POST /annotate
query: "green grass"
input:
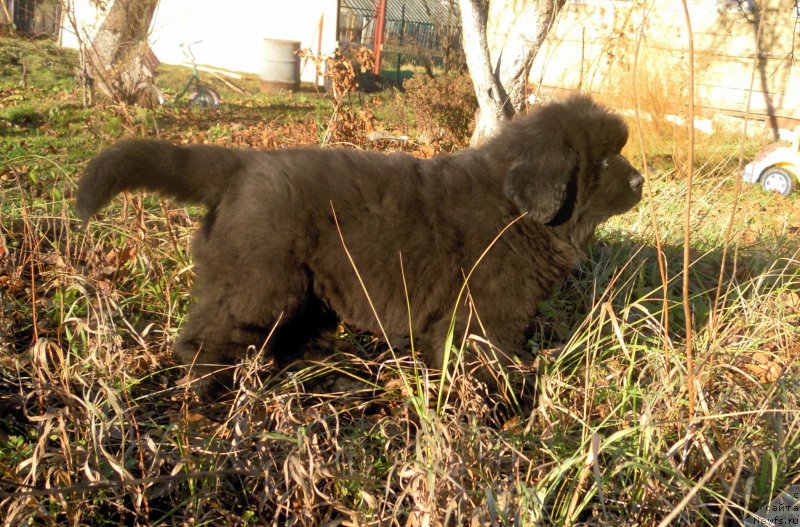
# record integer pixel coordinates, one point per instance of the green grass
(38, 63)
(95, 430)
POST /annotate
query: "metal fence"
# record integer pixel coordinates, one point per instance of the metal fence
(33, 17)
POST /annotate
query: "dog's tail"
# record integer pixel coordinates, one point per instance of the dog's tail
(194, 173)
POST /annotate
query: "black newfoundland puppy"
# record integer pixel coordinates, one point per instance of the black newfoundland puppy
(291, 235)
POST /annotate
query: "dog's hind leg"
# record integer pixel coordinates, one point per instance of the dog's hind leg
(210, 342)
(311, 329)
(221, 326)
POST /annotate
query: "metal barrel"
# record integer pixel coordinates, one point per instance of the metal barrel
(281, 69)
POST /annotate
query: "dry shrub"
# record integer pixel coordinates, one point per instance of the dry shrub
(445, 107)
(352, 125)
(348, 124)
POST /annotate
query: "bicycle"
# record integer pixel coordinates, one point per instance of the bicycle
(199, 94)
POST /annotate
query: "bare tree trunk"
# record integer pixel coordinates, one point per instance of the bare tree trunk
(522, 45)
(117, 53)
(501, 89)
(490, 94)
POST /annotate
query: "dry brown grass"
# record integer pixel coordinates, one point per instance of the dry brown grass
(94, 428)
(97, 430)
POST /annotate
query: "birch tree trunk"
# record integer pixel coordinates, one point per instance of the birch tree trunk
(118, 51)
(500, 88)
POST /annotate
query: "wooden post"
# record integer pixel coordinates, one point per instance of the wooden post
(319, 47)
(377, 40)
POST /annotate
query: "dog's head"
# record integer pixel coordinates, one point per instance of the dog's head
(565, 166)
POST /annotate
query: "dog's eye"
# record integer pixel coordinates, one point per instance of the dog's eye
(604, 164)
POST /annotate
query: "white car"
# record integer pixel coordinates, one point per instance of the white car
(776, 166)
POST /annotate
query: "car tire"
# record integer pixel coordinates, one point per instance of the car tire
(778, 180)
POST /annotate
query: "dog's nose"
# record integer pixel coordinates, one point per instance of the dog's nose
(636, 180)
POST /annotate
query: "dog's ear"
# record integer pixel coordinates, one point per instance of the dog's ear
(538, 184)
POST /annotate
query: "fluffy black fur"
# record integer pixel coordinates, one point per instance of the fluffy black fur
(270, 255)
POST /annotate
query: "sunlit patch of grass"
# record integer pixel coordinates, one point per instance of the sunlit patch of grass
(39, 63)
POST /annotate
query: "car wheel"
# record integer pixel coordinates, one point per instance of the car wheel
(777, 180)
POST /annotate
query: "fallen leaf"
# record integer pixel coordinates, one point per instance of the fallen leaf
(764, 367)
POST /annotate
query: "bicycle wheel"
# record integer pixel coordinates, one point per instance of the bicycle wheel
(203, 97)
(148, 95)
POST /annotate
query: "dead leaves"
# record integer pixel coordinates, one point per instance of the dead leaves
(776, 217)
(764, 366)
(770, 344)
(111, 263)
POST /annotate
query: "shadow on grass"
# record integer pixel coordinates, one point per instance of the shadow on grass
(639, 280)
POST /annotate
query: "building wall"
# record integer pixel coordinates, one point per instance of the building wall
(232, 33)
(594, 42)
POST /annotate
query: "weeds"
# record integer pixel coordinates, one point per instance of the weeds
(444, 107)
(348, 123)
(94, 428)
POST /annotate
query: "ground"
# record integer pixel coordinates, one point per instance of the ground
(94, 428)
